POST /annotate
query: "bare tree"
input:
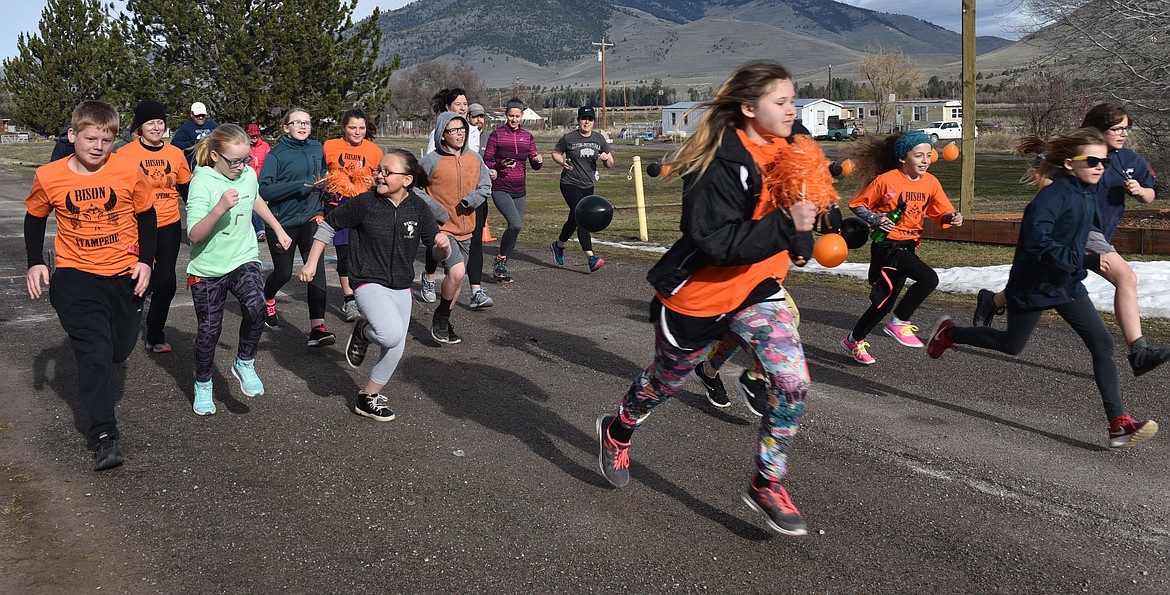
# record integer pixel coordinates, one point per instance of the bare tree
(888, 71)
(1049, 103)
(412, 89)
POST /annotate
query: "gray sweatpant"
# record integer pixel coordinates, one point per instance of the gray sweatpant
(388, 313)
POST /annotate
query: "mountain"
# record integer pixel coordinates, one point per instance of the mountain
(683, 42)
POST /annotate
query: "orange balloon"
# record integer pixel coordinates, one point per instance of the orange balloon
(950, 152)
(665, 169)
(933, 155)
(847, 167)
(830, 250)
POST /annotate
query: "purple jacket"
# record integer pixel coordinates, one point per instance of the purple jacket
(505, 143)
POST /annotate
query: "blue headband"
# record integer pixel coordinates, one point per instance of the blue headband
(908, 141)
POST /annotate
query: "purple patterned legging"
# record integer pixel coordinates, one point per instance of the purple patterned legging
(210, 296)
(766, 330)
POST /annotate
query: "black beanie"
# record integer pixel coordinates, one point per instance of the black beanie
(147, 110)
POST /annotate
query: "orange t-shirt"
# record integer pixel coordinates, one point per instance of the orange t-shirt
(924, 197)
(97, 231)
(715, 290)
(165, 169)
(340, 154)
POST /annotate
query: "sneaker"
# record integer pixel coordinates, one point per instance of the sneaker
(245, 372)
(319, 337)
(355, 348)
(261, 236)
(479, 300)
(1125, 431)
(903, 333)
(501, 271)
(270, 319)
(426, 290)
(443, 332)
(107, 454)
(857, 350)
(613, 457)
(163, 347)
(985, 309)
(777, 507)
(940, 337)
(374, 407)
(203, 405)
(558, 254)
(595, 263)
(349, 310)
(755, 393)
(1147, 358)
(716, 392)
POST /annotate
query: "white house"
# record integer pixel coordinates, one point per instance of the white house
(815, 114)
(680, 120)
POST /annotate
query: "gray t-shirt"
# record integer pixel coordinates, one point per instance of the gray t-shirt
(581, 152)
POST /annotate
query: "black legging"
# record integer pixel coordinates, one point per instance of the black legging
(282, 264)
(162, 281)
(891, 263)
(573, 195)
(474, 254)
(1082, 317)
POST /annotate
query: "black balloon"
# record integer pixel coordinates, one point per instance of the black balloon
(654, 169)
(855, 231)
(829, 221)
(835, 169)
(593, 213)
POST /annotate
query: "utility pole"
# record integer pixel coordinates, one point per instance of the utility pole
(967, 168)
(601, 58)
(829, 87)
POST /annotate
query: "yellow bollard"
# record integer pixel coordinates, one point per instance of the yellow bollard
(641, 199)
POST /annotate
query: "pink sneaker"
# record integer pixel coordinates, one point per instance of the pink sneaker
(903, 332)
(857, 350)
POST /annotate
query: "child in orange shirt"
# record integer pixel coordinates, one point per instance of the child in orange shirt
(905, 186)
(105, 245)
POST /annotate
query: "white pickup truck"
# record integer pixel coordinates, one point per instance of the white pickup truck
(945, 131)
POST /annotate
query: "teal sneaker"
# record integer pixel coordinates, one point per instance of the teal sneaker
(245, 372)
(558, 254)
(203, 404)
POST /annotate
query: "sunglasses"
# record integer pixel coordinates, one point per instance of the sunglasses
(1091, 161)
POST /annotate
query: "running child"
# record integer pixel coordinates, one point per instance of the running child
(225, 258)
(386, 227)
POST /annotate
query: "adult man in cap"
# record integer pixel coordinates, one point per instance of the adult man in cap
(476, 116)
(193, 130)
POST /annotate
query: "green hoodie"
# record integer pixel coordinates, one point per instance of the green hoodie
(232, 242)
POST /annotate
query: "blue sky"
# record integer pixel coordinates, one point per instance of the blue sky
(995, 17)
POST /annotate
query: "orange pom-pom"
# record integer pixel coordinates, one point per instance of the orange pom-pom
(800, 172)
(950, 152)
(348, 181)
(830, 250)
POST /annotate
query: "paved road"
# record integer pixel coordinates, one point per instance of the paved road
(978, 473)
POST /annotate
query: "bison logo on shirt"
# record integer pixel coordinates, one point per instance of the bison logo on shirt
(91, 211)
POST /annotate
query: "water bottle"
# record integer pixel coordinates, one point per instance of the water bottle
(895, 215)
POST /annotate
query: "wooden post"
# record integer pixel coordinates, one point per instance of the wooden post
(640, 197)
(967, 171)
(601, 57)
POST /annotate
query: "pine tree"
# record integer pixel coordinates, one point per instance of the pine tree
(74, 56)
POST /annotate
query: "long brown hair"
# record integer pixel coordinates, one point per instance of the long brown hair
(746, 86)
(872, 158)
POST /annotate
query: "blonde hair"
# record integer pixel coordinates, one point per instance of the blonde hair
(1052, 152)
(223, 135)
(746, 86)
(95, 113)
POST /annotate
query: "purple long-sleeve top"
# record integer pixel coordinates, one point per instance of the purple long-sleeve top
(505, 144)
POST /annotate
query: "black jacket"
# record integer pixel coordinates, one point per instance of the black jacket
(717, 224)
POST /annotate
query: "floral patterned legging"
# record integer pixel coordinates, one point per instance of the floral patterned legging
(766, 330)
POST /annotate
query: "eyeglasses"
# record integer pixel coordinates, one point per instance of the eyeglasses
(236, 162)
(1120, 129)
(300, 123)
(387, 172)
(454, 130)
(1091, 161)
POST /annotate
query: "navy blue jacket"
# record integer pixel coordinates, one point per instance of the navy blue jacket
(1048, 267)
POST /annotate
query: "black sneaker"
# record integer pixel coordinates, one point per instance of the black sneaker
(443, 332)
(613, 457)
(355, 348)
(374, 407)
(777, 507)
(501, 271)
(1147, 358)
(985, 309)
(108, 453)
(319, 337)
(755, 393)
(716, 392)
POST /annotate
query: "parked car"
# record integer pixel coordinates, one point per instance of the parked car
(945, 131)
(841, 129)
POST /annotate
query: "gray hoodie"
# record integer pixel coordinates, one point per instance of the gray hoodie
(459, 181)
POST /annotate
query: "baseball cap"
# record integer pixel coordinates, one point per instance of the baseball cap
(586, 113)
(198, 109)
(253, 129)
(474, 110)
